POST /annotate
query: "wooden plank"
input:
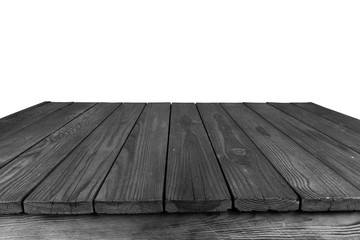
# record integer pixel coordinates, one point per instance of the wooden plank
(229, 225)
(23, 119)
(319, 187)
(22, 175)
(336, 117)
(136, 181)
(3, 120)
(338, 157)
(194, 181)
(342, 134)
(20, 141)
(253, 181)
(72, 186)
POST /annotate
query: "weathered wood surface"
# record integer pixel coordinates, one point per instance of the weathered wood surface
(71, 187)
(319, 187)
(294, 225)
(22, 175)
(338, 157)
(78, 158)
(16, 122)
(14, 145)
(342, 134)
(253, 181)
(194, 181)
(9, 118)
(136, 181)
(339, 118)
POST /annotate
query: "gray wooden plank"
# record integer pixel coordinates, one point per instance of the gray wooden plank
(253, 181)
(342, 134)
(194, 181)
(22, 175)
(136, 180)
(72, 186)
(228, 225)
(26, 118)
(319, 187)
(9, 117)
(337, 117)
(13, 145)
(335, 155)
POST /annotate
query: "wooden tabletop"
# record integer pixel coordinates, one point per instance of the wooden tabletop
(131, 158)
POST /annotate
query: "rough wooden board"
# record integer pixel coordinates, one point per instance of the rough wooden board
(342, 134)
(338, 157)
(71, 187)
(22, 140)
(319, 187)
(194, 181)
(339, 118)
(254, 183)
(18, 121)
(21, 176)
(136, 181)
(293, 225)
(9, 118)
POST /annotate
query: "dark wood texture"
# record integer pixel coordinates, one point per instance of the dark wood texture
(194, 181)
(71, 187)
(20, 141)
(342, 134)
(340, 158)
(320, 188)
(295, 225)
(16, 122)
(253, 181)
(339, 118)
(136, 181)
(81, 158)
(7, 118)
(22, 175)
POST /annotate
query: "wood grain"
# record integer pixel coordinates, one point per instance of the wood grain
(18, 121)
(338, 157)
(319, 187)
(22, 140)
(336, 117)
(253, 181)
(342, 134)
(293, 225)
(194, 181)
(136, 181)
(71, 187)
(22, 175)
(9, 117)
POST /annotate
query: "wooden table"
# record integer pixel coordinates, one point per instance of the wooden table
(220, 161)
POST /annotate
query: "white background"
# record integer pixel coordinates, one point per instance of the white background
(176, 51)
